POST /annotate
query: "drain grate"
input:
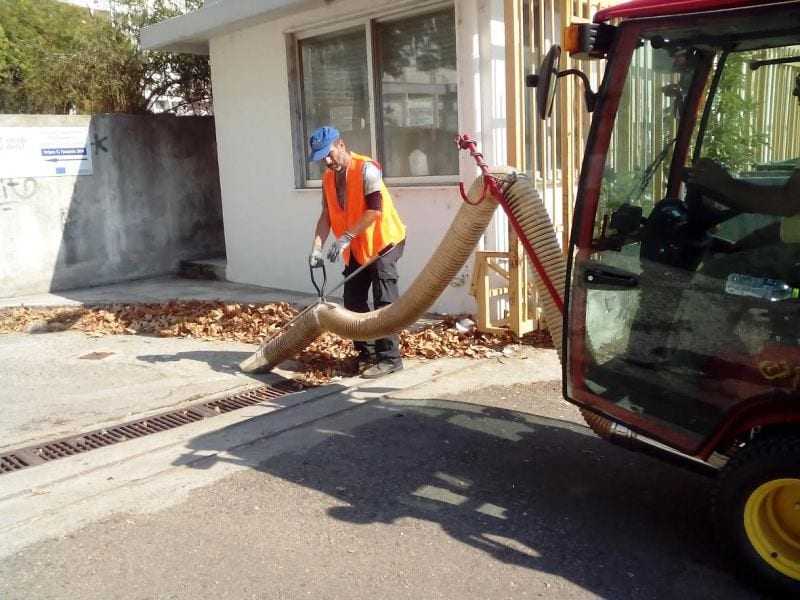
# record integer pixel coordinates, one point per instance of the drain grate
(11, 462)
(14, 461)
(119, 433)
(247, 398)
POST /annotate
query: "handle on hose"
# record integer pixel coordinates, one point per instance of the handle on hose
(320, 290)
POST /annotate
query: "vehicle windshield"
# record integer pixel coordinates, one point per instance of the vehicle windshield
(692, 275)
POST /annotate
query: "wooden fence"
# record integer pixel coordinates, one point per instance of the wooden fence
(550, 152)
(776, 110)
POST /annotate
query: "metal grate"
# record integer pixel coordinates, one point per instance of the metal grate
(120, 433)
(247, 398)
(11, 462)
(100, 438)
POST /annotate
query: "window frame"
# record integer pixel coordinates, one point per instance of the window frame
(295, 71)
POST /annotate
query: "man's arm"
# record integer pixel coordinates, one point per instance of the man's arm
(367, 219)
(782, 201)
(323, 227)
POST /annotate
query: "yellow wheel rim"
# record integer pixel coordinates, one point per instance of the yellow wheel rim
(772, 523)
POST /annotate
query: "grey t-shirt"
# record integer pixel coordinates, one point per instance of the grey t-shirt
(372, 182)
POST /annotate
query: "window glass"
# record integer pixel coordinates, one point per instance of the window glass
(419, 99)
(415, 105)
(640, 153)
(753, 133)
(335, 90)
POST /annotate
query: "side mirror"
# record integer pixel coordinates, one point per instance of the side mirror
(545, 81)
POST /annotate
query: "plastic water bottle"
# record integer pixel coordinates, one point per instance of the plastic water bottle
(760, 287)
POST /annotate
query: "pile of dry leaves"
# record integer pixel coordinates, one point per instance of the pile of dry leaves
(329, 356)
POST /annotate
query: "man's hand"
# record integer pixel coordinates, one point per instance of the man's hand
(710, 175)
(315, 258)
(339, 245)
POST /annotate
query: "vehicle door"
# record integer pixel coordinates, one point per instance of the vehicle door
(664, 336)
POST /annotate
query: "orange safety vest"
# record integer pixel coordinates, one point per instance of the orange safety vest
(387, 228)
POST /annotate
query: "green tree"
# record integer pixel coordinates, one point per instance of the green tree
(730, 137)
(183, 76)
(57, 58)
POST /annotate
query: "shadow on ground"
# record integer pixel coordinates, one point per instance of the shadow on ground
(538, 493)
(227, 362)
(220, 361)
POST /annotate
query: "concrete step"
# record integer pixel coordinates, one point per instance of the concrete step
(204, 268)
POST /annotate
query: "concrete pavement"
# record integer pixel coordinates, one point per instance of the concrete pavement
(451, 479)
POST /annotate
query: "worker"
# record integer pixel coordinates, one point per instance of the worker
(358, 208)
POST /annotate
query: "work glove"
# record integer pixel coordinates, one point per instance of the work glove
(315, 258)
(339, 245)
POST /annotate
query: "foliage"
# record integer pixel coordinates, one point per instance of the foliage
(54, 57)
(427, 42)
(730, 138)
(623, 187)
(57, 58)
(185, 76)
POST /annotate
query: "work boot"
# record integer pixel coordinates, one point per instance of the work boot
(383, 367)
(364, 362)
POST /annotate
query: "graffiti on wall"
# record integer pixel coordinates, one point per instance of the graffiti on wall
(15, 189)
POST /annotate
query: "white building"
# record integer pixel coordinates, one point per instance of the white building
(399, 78)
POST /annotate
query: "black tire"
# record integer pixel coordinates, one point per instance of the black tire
(757, 466)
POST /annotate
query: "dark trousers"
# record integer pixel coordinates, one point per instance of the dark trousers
(381, 276)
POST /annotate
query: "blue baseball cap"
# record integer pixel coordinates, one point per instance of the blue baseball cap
(320, 142)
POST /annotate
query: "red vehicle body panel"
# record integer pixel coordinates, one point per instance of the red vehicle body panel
(660, 8)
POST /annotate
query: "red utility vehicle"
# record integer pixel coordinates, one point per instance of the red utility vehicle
(682, 313)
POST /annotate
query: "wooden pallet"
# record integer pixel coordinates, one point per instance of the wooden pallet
(509, 268)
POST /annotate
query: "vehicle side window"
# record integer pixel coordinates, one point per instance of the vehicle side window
(750, 162)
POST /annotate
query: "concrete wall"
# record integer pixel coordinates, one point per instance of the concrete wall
(153, 199)
(269, 223)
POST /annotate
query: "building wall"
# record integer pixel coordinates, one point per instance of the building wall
(268, 222)
(153, 199)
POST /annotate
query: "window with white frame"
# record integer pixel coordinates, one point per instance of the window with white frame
(390, 87)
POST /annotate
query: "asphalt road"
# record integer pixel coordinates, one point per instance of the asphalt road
(495, 493)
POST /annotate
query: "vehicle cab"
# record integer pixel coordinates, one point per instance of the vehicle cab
(683, 310)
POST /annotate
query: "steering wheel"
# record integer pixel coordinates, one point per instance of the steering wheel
(679, 232)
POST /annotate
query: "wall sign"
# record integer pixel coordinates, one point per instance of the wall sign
(44, 151)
